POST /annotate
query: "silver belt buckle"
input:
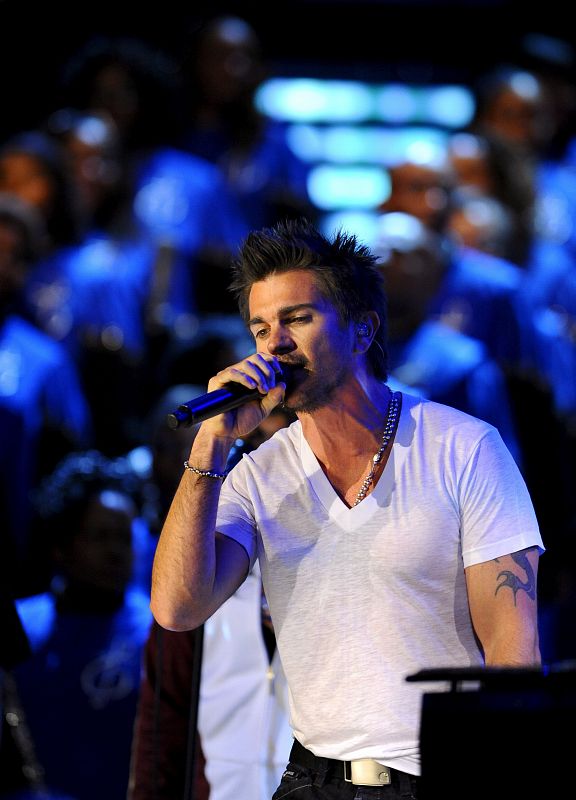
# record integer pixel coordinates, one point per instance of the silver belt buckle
(366, 772)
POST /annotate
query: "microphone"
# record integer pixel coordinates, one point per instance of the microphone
(219, 401)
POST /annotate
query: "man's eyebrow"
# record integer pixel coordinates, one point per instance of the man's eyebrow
(282, 312)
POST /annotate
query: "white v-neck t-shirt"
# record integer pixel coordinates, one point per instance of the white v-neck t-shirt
(362, 597)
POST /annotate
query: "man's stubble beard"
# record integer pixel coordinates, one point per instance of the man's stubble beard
(317, 394)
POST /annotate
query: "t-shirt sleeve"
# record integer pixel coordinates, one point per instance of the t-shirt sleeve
(497, 514)
(235, 517)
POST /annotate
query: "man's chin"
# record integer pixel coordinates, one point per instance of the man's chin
(308, 398)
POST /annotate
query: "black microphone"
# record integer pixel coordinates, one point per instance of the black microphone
(219, 401)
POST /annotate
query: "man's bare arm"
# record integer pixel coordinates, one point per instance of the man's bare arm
(195, 570)
(503, 605)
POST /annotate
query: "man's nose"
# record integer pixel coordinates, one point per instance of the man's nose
(280, 341)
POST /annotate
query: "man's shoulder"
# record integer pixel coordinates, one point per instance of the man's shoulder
(277, 446)
(440, 417)
(281, 440)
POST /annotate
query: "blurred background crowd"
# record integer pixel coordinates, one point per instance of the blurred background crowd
(136, 152)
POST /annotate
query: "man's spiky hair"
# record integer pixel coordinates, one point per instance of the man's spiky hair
(345, 269)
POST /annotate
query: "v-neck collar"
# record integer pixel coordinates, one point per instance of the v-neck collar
(332, 502)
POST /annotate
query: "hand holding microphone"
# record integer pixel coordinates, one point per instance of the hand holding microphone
(230, 396)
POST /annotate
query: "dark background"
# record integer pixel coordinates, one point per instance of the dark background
(415, 41)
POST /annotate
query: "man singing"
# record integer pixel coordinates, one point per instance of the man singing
(393, 533)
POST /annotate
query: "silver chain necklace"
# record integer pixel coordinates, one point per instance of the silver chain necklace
(389, 428)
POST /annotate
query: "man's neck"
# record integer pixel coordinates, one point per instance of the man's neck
(345, 439)
(351, 424)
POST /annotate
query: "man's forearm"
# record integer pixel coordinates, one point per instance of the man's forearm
(185, 588)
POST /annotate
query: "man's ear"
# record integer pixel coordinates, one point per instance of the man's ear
(365, 330)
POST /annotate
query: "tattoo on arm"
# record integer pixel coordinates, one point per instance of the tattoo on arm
(512, 581)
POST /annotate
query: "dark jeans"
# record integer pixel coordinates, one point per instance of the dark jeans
(323, 783)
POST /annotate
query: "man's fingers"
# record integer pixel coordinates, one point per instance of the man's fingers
(252, 372)
(273, 398)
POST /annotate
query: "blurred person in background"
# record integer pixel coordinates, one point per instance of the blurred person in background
(127, 292)
(46, 412)
(130, 80)
(488, 166)
(517, 106)
(33, 167)
(79, 687)
(524, 104)
(481, 222)
(426, 353)
(478, 291)
(223, 69)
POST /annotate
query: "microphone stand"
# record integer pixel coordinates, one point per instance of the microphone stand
(192, 745)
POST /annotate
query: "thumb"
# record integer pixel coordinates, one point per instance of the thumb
(273, 397)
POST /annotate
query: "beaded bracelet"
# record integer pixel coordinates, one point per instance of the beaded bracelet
(204, 473)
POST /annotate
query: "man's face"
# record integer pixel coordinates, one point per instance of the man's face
(290, 319)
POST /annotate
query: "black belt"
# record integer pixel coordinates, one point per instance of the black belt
(360, 772)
